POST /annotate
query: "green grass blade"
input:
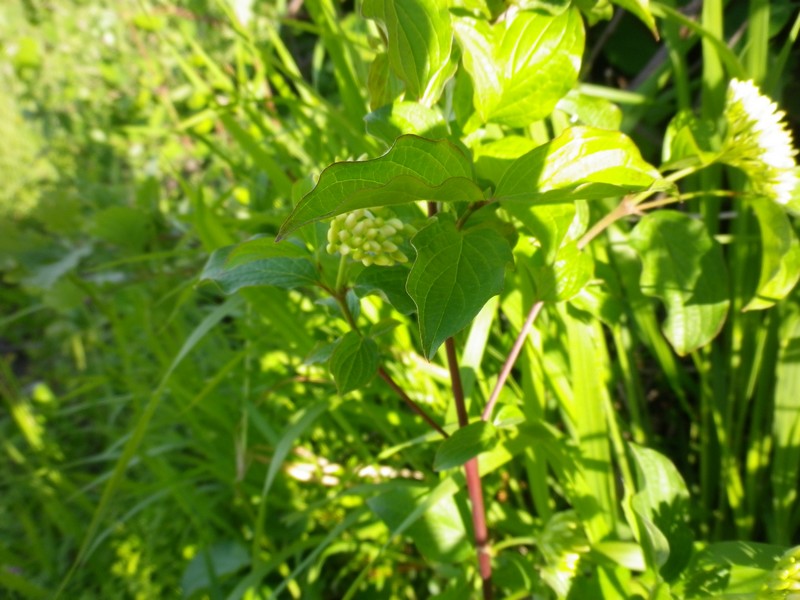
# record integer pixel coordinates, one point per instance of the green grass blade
(139, 429)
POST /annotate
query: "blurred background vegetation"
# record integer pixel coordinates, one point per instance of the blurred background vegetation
(137, 137)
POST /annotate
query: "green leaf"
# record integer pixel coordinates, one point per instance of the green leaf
(493, 158)
(780, 256)
(454, 275)
(438, 532)
(683, 265)
(465, 444)
(413, 169)
(583, 162)
(563, 278)
(590, 110)
(661, 507)
(393, 120)
(125, 226)
(641, 10)
(689, 140)
(420, 39)
(354, 362)
(383, 86)
(259, 261)
(548, 223)
(522, 66)
(212, 564)
(390, 281)
(729, 568)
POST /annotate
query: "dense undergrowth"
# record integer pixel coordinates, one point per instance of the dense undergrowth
(171, 430)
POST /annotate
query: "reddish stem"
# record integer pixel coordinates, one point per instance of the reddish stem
(474, 487)
(511, 359)
(409, 402)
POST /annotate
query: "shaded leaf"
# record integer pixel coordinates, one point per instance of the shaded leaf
(729, 568)
(661, 506)
(259, 261)
(413, 169)
(780, 256)
(684, 267)
(465, 444)
(583, 162)
(438, 532)
(391, 282)
(564, 277)
(211, 564)
(454, 275)
(354, 362)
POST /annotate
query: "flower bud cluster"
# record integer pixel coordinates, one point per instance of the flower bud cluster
(784, 581)
(369, 238)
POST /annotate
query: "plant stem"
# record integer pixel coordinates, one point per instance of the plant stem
(474, 487)
(625, 208)
(341, 273)
(628, 206)
(511, 359)
(409, 402)
(455, 378)
(340, 299)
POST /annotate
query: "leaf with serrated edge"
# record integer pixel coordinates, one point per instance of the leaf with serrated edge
(354, 362)
(413, 169)
(465, 444)
(455, 273)
(582, 163)
(683, 265)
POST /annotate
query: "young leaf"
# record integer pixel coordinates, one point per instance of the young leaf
(522, 66)
(661, 507)
(465, 444)
(413, 169)
(454, 275)
(438, 530)
(420, 39)
(683, 265)
(780, 256)
(354, 362)
(583, 162)
(259, 261)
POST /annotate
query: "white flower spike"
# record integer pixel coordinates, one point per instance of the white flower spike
(759, 142)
